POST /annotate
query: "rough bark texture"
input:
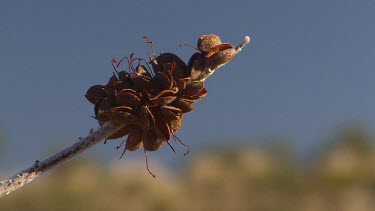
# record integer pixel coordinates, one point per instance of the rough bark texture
(27, 175)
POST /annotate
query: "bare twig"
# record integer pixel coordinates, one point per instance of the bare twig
(27, 175)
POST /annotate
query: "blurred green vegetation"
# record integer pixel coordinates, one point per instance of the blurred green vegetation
(341, 177)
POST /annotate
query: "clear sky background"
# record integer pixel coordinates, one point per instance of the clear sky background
(308, 70)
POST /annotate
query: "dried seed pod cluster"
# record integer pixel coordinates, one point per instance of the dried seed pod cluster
(213, 54)
(149, 104)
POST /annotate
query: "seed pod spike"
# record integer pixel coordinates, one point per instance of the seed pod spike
(153, 175)
(147, 40)
(119, 146)
(169, 143)
(123, 153)
(179, 140)
(187, 45)
(113, 62)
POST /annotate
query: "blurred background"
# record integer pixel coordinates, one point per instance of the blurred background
(288, 124)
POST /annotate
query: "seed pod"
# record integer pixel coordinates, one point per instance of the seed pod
(180, 69)
(199, 95)
(193, 88)
(143, 83)
(127, 97)
(134, 140)
(185, 105)
(152, 139)
(163, 80)
(207, 42)
(149, 106)
(95, 93)
(146, 118)
(121, 133)
(197, 66)
(220, 55)
(101, 107)
(175, 125)
(213, 55)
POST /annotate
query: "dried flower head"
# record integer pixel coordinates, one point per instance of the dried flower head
(149, 103)
(213, 54)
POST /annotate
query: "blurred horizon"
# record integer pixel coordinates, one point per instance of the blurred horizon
(341, 177)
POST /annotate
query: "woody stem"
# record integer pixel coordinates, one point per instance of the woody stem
(27, 175)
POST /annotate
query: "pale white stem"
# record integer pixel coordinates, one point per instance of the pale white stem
(27, 175)
(246, 40)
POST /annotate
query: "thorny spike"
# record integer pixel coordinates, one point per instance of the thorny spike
(113, 62)
(123, 153)
(129, 60)
(147, 40)
(130, 63)
(176, 138)
(119, 146)
(149, 57)
(114, 75)
(153, 175)
(169, 143)
(187, 45)
(118, 64)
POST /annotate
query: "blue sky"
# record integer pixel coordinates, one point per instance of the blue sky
(309, 69)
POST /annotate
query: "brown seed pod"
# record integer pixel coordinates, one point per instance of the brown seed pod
(207, 42)
(101, 107)
(193, 88)
(134, 140)
(160, 62)
(121, 133)
(199, 95)
(149, 105)
(220, 55)
(122, 115)
(163, 80)
(213, 55)
(197, 66)
(95, 93)
(185, 105)
(152, 139)
(172, 120)
(127, 97)
(142, 83)
(146, 118)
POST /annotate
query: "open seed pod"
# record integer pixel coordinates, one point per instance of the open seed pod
(213, 54)
(149, 104)
(207, 41)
